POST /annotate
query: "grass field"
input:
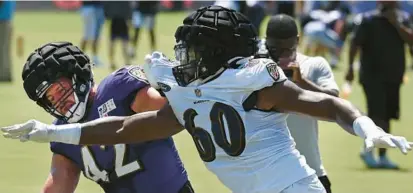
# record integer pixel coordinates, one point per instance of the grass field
(24, 167)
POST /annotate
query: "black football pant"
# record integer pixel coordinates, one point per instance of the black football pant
(326, 183)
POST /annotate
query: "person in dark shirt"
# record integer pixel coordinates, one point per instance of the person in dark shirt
(93, 20)
(286, 7)
(119, 12)
(381, 36)
(144, 14)
(255, 11)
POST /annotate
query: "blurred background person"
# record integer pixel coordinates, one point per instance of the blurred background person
(407, 6)
(285, 7)
(381, 36)
(255, 11)
(93, 20)
(325, 28)
(7, 9)
(310, 73)
(119, 12)
(358, 7)
(144, 15)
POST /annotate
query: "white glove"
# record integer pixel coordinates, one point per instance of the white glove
(385, 140)
(375, 137)
(37, 131)
(32, 130)
(147, 69)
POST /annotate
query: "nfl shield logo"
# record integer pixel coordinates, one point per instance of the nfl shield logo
(198, 92)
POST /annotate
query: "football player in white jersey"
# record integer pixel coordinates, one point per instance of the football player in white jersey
(311, 73)
(230, 104)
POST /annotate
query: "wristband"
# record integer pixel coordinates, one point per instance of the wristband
(365, 127)
(69, 133)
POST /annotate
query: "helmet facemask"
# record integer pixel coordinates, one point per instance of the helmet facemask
(190, 66)
(59, 109)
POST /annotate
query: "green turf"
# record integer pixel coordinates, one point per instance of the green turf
(24, 167)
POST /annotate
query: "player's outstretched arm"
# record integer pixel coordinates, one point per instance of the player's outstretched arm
(288, 97)
(140, 127)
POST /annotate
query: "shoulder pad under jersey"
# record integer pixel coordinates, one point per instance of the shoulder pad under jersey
(254, 74)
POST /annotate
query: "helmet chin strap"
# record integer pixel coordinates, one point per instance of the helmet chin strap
(78, 110)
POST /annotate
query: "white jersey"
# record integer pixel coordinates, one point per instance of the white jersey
(304, 129)
(321, 20)
(250, 151)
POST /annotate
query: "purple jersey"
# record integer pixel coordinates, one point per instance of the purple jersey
(152, 167)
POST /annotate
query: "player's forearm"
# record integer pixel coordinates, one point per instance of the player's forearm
(99, 131)
(308, 85)
(352, 54)
(316, 104)
(102, 131)
(344, 113)
(138, 128)
(61, 183)
(338, 28)
(335, 109)
(58, 188)
(405, 33)
(352, 120)
(150, 126)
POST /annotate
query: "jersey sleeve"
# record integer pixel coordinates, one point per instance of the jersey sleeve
(135, 78)
(123, 82)
(323, 75)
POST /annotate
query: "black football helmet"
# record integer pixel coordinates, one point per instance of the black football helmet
(49, 63)
(208, 38)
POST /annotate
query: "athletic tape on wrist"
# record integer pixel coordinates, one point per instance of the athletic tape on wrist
(69, 133)
(363, 126)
